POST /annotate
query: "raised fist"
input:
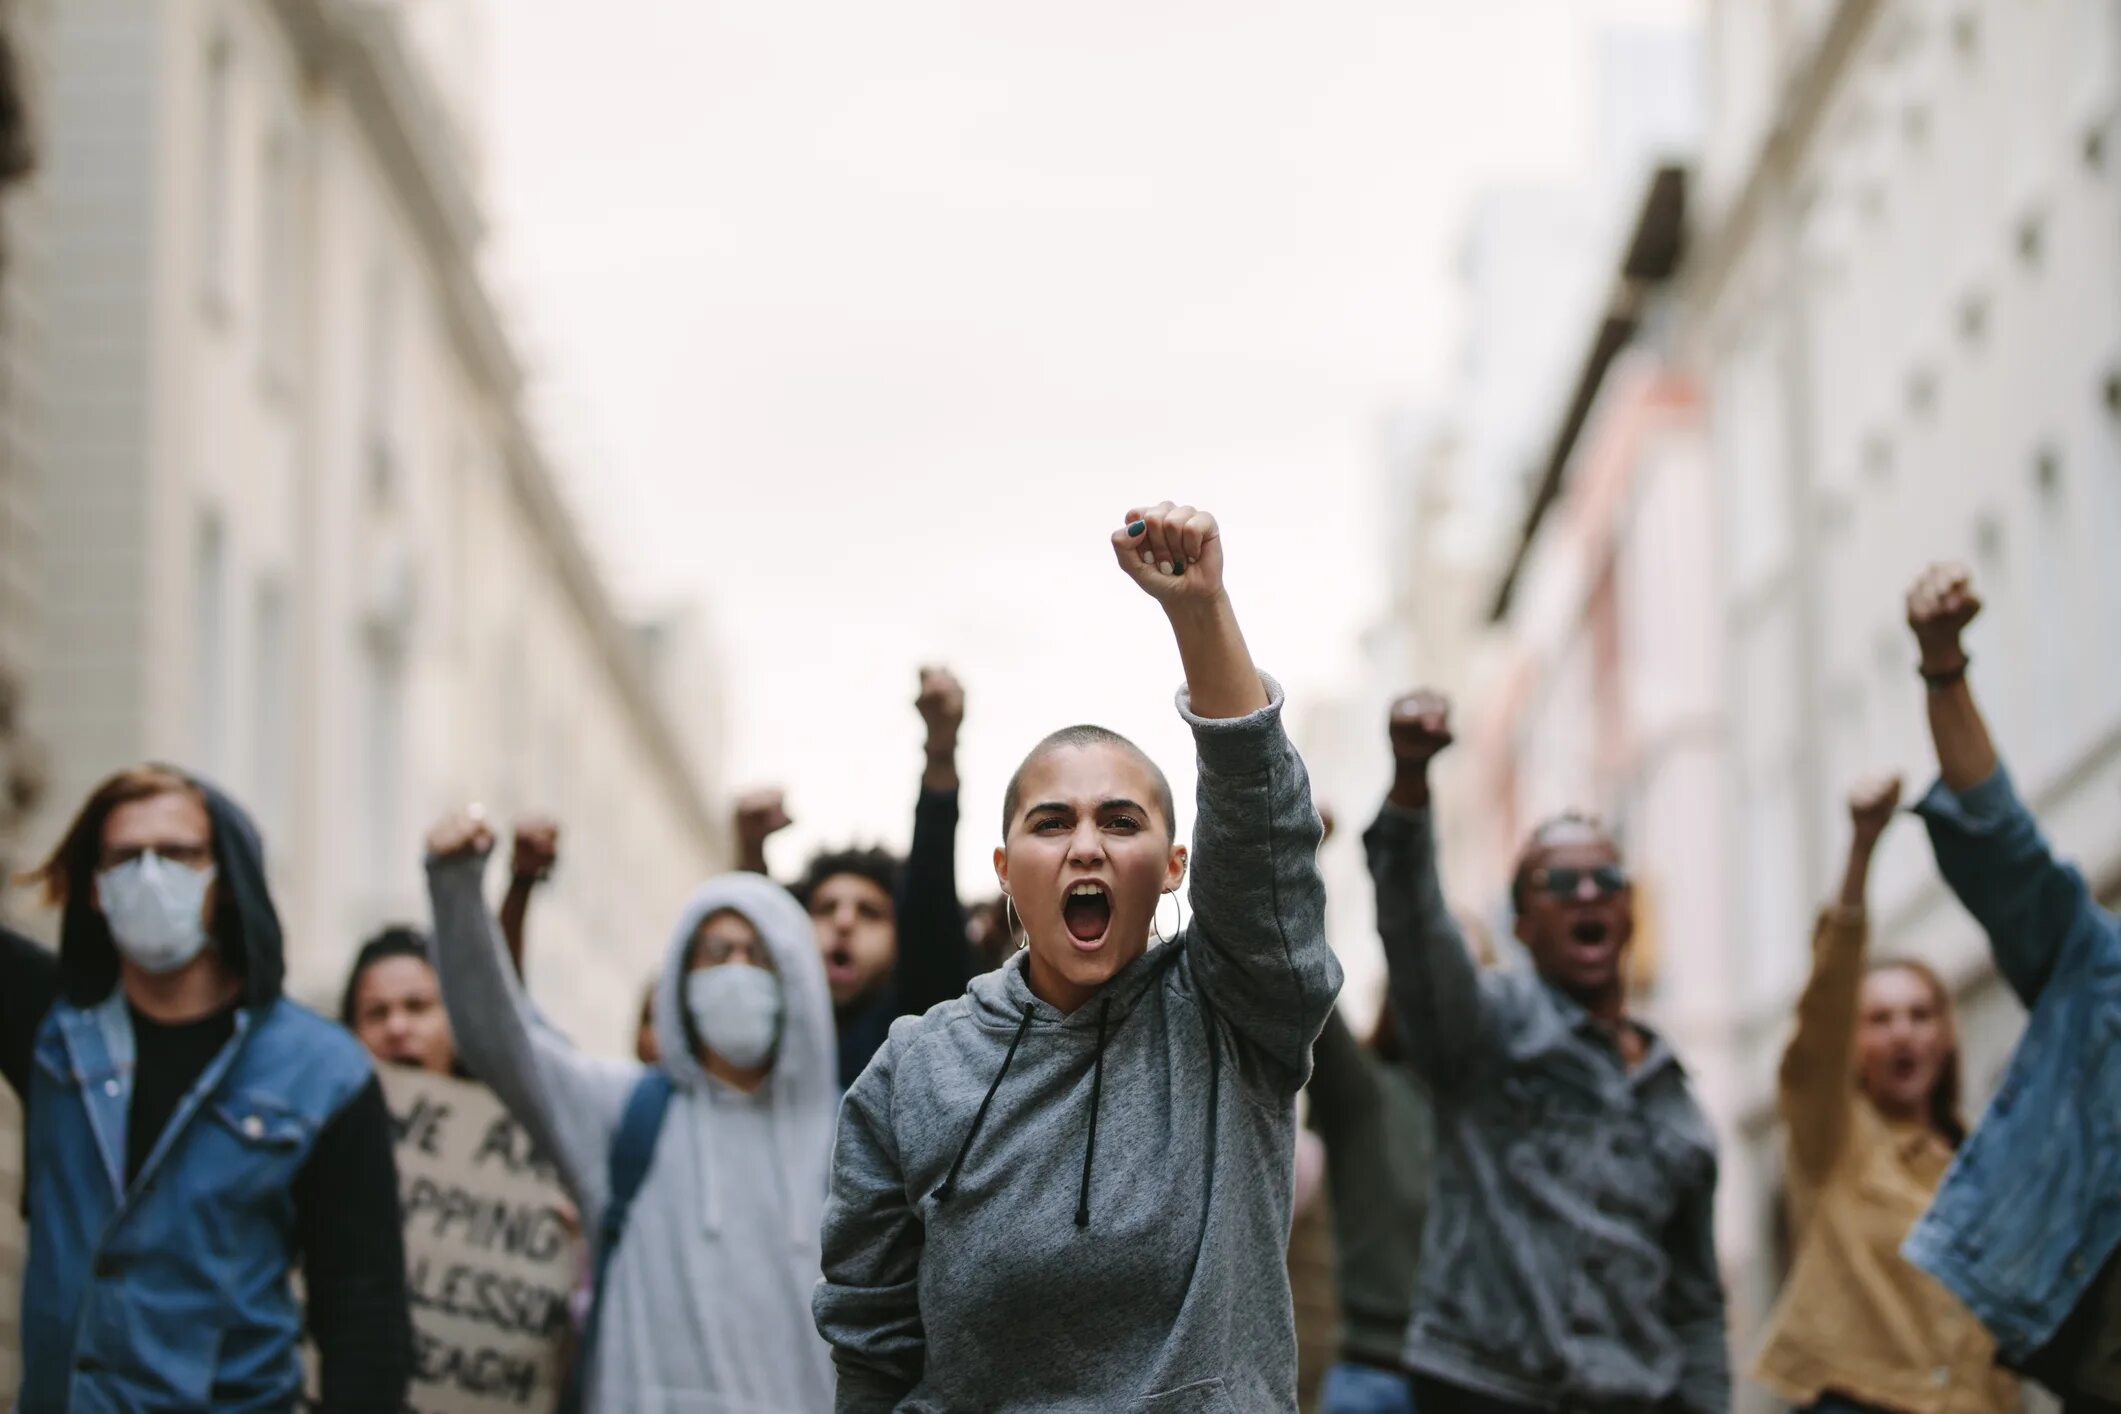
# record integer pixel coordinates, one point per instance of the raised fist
(1420, 727)
(941, 704)
(536, 849)
(1939, 608)
(761, 813)
(1174, 553)
(1871, 805)
(459, 835)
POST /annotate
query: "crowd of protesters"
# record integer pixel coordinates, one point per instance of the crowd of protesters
(1077, 1147)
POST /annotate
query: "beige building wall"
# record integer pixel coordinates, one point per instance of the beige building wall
(295, 533)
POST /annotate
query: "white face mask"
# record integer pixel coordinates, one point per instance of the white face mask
(155, 910)
(736, 1008)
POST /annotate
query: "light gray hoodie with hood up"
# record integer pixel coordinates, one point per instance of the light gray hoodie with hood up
(1090, 1213)
(706, 1307)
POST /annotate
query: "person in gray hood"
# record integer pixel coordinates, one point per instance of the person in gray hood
(702, 1307)
(1070, 1189)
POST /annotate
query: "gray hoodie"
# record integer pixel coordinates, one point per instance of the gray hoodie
(704, 1308)
(1090, 1212)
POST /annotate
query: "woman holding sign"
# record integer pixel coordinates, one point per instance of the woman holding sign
(703, 1177)
(1071, 1188)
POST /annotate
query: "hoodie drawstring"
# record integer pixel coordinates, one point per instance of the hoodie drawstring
(1097, 1090)
(942, 1194)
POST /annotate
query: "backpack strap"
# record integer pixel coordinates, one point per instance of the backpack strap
(632, 1149)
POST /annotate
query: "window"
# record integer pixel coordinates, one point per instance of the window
(210, 644)
(379, 384)
(382, 757)
(215, 186)
(277, 236)
(271, 737)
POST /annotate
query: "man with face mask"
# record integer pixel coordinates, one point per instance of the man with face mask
(190, 1131)
(702, 1176)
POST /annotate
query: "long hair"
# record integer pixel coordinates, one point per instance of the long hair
(75, 858)
(1944, 1114)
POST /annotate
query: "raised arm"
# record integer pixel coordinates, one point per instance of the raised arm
(759, 816)
(29, 984)
(2034, 907)
(535, 854)
(868, 1307)
(1815, 1081)
(569, 1103)
(1429, 970)
(934, 957)
(1257, 947)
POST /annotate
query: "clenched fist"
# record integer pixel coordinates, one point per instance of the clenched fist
(460, 835)
(760, 814)
(537, 849)
(1872, 803)
(1939, 608)
(941, 704)
(1420, 727)
(1174, 553)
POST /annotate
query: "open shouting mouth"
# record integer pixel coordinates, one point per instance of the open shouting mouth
(1087, 911)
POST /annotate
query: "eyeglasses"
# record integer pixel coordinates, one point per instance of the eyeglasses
(196, 857)
(1565, 882)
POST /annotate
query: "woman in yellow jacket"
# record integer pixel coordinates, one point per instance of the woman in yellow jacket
(1869, 1095)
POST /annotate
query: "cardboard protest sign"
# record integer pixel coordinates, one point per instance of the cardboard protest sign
(490, 1251)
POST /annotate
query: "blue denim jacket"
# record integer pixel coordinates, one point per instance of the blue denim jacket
(2031, 1207)
(172, 1294)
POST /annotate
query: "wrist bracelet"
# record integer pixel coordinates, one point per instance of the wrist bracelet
(1947, 677)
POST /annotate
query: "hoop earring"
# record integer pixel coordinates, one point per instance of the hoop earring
(1156, 922)
(1008, 905)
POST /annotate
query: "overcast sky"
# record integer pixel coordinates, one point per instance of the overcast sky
(866, 322)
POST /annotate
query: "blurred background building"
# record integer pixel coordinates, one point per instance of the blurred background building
(269, 506)
(1865, 315)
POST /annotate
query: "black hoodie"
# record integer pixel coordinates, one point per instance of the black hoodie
(348, 1230)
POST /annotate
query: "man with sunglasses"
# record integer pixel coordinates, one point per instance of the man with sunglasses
(1569, 1263)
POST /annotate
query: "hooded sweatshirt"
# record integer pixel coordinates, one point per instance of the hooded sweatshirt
(1090, 1211)
(314, 1177)
(704, 1308)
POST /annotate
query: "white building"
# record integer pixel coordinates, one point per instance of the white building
(1906, 305)
(291, 527)
(24, 243)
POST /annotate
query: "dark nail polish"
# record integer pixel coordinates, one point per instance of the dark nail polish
(1138, 527)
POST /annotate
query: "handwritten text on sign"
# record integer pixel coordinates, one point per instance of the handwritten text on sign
(490, 1256)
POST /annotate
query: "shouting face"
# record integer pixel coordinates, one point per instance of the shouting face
(1576, 908)
(856, 934)
(398, 1015)
(1087, 855)
(1903, 1041)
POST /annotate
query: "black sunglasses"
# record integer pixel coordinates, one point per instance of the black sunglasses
(1564, 882)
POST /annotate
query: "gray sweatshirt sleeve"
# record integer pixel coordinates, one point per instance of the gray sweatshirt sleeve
(1429, 970)
(570, 1103)
(867, 1306)
(1257, 948)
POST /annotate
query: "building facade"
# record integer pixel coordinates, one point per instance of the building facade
(1905, 304)
(290, 526)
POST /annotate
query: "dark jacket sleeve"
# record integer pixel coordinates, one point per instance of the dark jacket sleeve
(29, 984)
(1432, 978)
(353, 1259)
(934, 958)
(1343, 1088)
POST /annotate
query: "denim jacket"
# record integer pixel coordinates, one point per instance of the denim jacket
(1570, 1256)
(2031, 1208)
(172, 1293)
